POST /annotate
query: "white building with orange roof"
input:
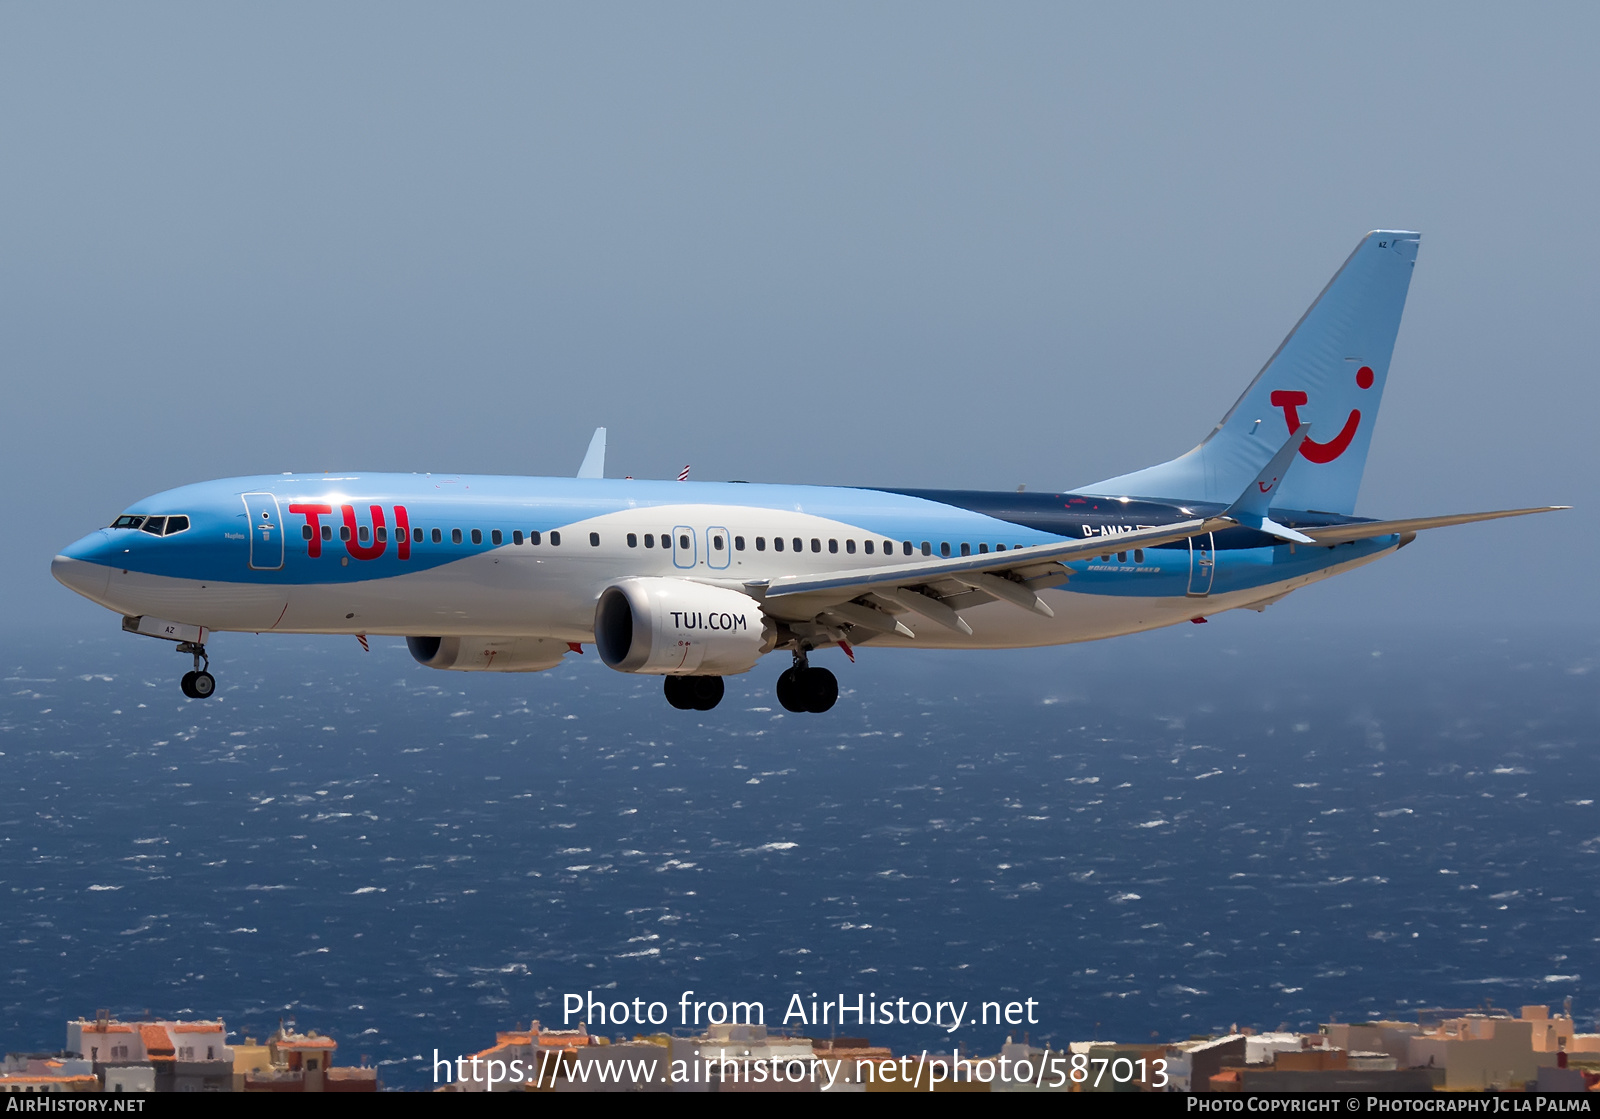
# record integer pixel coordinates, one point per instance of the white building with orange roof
(180, 1056)
(47, 1072)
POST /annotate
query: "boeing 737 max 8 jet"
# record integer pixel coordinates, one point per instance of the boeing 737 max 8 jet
(694, 581)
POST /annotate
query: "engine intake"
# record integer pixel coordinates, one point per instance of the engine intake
(674, 627)
(487, 654)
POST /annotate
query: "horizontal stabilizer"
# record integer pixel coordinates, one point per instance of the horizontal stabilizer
(1341, 534)
(1251, 507)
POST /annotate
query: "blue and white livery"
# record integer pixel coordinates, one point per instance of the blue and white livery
(694, 581)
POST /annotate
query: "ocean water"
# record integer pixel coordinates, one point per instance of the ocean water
(1157, 836)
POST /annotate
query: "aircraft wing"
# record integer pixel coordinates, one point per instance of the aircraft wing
(1341, 534)
(872, 598)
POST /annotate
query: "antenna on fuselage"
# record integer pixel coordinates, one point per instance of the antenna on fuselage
(594, 462)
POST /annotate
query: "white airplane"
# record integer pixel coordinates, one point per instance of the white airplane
(694, 581)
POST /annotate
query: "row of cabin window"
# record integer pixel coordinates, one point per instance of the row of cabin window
(796, 543)
(1122, 557)
(437, 535)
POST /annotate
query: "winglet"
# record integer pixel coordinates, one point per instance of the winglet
(1251, 507)
(594, 463)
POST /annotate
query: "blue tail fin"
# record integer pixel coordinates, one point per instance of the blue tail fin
(1329, 371)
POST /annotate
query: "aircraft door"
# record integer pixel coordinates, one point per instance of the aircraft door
(684, 551)
(718, 547)
(266, 531)
(1202, 565)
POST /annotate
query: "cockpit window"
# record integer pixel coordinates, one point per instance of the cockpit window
(155, 526)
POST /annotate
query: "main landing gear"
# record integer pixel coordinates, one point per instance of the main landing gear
(804, 688)
(693, 693)
(800, 688)
(199, 684)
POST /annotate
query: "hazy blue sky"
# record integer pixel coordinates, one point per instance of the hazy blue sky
(972, 245)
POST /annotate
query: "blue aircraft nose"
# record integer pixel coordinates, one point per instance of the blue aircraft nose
(84, 565)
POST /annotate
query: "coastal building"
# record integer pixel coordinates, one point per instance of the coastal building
(1124, 1067)
(726, 1057)
(169, 1056)
(1191, 1064)
(1481, 1051)
(47, 1072)
(1556, 1033)
(1392, 1038)
(303, 1062)
(540, 1060)
(1318, 1067)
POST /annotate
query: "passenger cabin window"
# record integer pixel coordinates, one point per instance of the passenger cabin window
(477, 536)
(633, 539)
(683, 541)
(649, 540)
(716, 543)
(816, 545)
(437, 536)
(866, 546)
(533, 538)
(1138, 555)
(555, 540)
(416, 534)
(305, 532)
(155, 525)
(907, 547)
(1122, 557)
(383, 534)
(944, 548)
(777, 543)
(738, 543)
(850, 547)
(455, 536)
(927, 548)
(966, 549)
(362, 532)
(761, 543)
(798, 546)
(495, 537)
(516, 536)
(344, 532)
(982, 548)
(594, 540)
(833, 546)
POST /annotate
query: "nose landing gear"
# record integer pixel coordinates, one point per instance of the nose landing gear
(198, 684)
(804, 688)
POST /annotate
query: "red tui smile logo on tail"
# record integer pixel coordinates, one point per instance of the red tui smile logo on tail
(1291, 399)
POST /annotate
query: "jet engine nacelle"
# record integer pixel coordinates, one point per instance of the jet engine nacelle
(487, 654)
(674, 627)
